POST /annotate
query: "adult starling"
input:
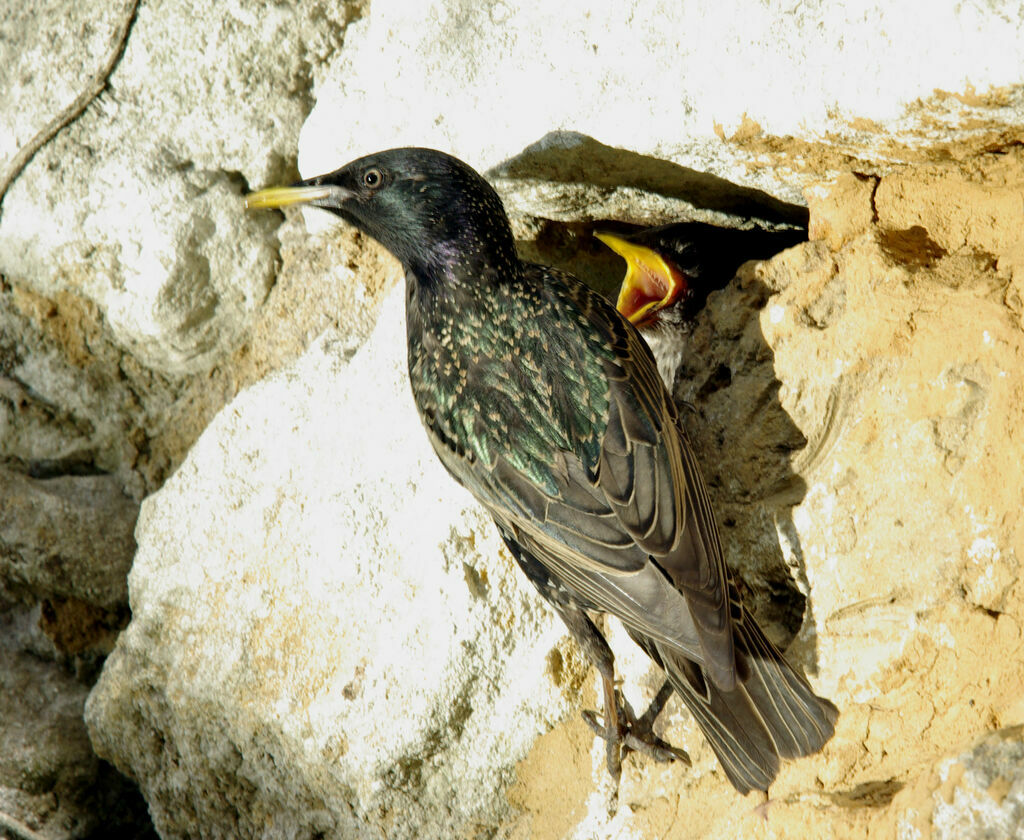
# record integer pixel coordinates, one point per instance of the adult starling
(671, 270)
(546, 404)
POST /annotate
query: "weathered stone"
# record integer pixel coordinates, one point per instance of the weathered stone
(50, 780)
(137, 204)
(843, 208)
(343, 645)
(703, 86)
(67, 536)
(978, 793)
(53, 53)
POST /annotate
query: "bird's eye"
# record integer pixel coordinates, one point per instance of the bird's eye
(372, 178)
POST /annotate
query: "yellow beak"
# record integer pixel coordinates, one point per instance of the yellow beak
(651, 283)
(286, 196)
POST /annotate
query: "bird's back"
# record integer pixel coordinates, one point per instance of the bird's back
(514, 370)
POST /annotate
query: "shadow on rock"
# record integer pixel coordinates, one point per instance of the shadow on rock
(729, 396)
(567, 157)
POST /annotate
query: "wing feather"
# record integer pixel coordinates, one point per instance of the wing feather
(628, 524)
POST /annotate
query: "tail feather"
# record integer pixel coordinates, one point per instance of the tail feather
(772, 713)
(800, 722)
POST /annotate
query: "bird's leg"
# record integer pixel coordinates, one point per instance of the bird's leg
(642, 738)
(632, 733)
(622, 730)
(614, 729)
(646, 722)
(596, 649)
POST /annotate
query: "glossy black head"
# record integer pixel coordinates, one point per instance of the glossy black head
(432, 211)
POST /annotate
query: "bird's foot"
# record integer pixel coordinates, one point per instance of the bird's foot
(623, 732)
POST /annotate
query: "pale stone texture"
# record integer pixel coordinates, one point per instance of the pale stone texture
(978, 793)
(48, 49)
(126, 264)
(137, 204)
(487, 80)
(326, 634)
(870, 501)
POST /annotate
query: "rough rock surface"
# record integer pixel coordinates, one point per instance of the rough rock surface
(318, 676)
(51, 781)
(135, 204)
(857, 399)
(978, 793)
(82, 542)
(53, 54)
(123, 155)
(83, 429)
(666, 82)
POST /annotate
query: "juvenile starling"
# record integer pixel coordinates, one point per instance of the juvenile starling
(546, 404)
(671, 270)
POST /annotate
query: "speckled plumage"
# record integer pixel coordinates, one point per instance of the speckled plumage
(547, 405)
(490, 380)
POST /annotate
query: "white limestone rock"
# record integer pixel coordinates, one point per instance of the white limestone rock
(48, 50)
(978, 793)
(137, 204)
(668, 81)
(327, 635)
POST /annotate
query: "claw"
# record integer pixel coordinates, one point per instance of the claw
(593, 720)
(623, 732)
